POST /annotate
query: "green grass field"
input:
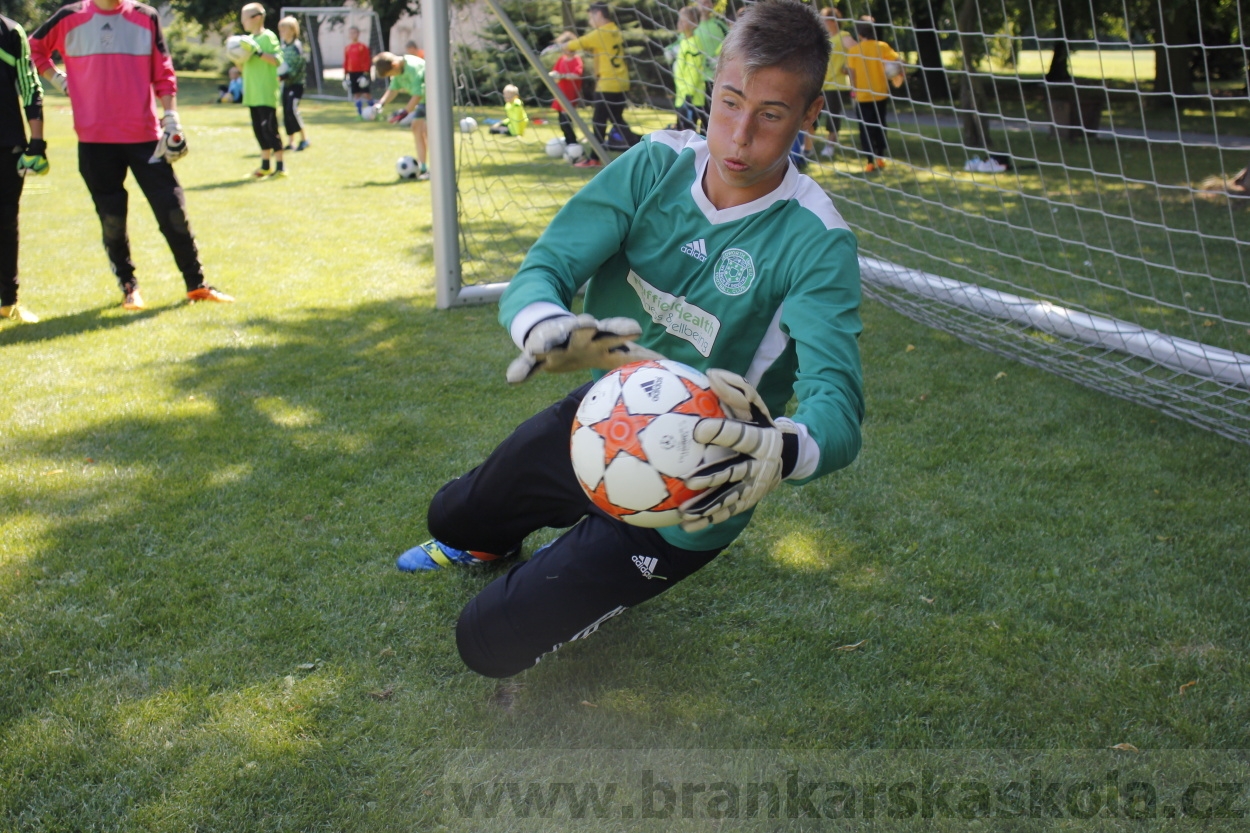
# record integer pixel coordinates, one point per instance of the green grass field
(202, 627)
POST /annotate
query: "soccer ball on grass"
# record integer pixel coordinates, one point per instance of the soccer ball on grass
(633, 442)
(556, 147)
(407, 167)
(468, 124)
(573, 152)
(369, 112)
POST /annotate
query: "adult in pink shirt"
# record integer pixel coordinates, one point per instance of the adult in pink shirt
(116, 65)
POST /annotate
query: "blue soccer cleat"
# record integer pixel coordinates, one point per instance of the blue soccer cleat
(434, 555)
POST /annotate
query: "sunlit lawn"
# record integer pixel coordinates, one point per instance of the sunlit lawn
(202, 627)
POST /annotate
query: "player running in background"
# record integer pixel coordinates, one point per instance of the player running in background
(115, 60)
(356, 62)
(407, 75)
(716, 253)
(291, 74)
(866, 65)
(261, 91)
(21, 92)
(611, 78)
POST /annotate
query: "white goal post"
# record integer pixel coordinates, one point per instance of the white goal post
(323, 31)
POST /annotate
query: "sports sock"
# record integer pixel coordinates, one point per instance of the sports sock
(360, 106)
(280, 168)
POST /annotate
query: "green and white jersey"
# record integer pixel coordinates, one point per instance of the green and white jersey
(412, 79)
(260, 78)
(769, 290)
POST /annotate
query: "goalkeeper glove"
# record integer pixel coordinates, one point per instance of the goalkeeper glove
(172, 145)
(34, 160)
(763, 447)
(578, 342)
(60, 80)
(397, 116)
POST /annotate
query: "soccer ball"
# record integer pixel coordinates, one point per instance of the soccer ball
(573, 152)
(237, 49)
(632, 442)
(368, 112)
(468, 124)
(555, 148)
(406, 167)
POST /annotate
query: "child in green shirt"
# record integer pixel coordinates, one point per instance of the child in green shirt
(261, 90)
(515, 120)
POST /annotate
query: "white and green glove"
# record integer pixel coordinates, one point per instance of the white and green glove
(578, 342)
(34, 160)
(172, 145)
(59, 80)
(737, 483)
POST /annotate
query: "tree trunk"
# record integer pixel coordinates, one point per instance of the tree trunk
(974, 133)
(1173, 59)
(566, 11)
(933, 84)
(1059, 72)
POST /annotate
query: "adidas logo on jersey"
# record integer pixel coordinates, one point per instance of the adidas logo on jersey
(646, 565)
(696, 249)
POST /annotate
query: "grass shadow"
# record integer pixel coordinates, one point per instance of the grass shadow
(100, 318)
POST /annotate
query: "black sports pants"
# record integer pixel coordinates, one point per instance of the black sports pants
(566, 127)
(610, 109)
(103, 168)
(10, 193)
(563, 592)
(872, 128)
(265, 127)
(291, 95)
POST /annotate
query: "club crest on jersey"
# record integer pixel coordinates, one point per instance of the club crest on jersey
(696, 249)
(735, 272)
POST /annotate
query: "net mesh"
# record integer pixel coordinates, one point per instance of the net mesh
(1066, 159)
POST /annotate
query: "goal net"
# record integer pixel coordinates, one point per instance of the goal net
(324, 32)
(1064, 183)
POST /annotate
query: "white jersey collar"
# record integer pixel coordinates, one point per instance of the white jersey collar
(785, 191)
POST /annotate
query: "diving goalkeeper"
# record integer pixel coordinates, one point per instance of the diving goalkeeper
(714, 252)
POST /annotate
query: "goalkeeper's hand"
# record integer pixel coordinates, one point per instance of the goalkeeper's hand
(60, 80)
(172, 145)
(578, 342)
(735, 484)
(34, 160)
(397, 117)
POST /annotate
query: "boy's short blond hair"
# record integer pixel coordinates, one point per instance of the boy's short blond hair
(291, 23)
(384, 62)
(510, 89)
(252, 9)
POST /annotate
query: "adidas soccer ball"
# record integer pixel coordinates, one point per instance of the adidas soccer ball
(468, 124)
(406, 167)
(238, 50)
(555, 147)
(633, 443)
(573, 152)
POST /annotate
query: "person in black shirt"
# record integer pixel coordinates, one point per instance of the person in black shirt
(17, 73)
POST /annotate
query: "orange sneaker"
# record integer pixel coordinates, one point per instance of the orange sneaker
(133, 300)
(870, 168)
(881, 164)
(208, 293)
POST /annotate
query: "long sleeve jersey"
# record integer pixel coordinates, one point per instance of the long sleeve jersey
(769, 290)
(17, 73)
(115, 61)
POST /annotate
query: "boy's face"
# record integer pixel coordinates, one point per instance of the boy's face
(750, 130)
(353, 35)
